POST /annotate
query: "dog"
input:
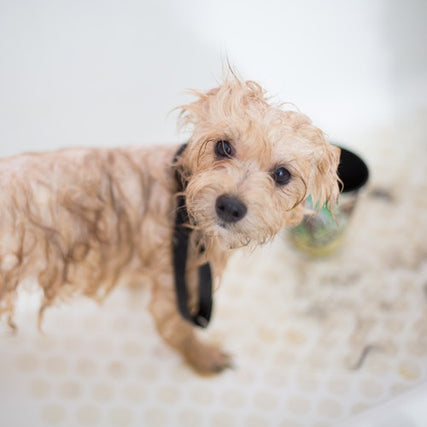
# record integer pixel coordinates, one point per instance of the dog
(79, 220)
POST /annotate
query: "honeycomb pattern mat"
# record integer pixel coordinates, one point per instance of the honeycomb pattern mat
(315, 341)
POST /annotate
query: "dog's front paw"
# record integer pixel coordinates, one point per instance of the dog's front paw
(207, 359)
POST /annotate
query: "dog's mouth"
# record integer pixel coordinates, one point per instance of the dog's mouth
(223, 224)
(225, 220)
(230, 235)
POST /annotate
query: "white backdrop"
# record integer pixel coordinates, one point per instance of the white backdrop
(108, 72)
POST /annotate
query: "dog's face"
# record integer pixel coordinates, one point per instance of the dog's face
(251, 165)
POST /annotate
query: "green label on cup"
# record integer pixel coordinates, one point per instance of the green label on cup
(321, 232)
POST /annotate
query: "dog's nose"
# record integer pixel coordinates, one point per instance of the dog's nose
(230, 209)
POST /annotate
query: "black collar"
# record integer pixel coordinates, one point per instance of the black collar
(180, 245)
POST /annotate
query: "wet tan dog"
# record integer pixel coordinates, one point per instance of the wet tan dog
(78, 220)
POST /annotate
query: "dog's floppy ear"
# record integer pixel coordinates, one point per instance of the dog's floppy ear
(320, 160)
(323, 185)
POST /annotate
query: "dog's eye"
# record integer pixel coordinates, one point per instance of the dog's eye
(223, 149)
(281, 176)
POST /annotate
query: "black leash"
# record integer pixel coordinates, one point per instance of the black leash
(180, 253)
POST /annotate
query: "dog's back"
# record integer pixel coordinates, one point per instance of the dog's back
(75, 219)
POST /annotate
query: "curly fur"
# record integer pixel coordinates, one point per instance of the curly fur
(78, 220)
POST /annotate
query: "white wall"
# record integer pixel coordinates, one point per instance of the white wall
(108, 72)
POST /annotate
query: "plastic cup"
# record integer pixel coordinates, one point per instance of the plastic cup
(322, 232)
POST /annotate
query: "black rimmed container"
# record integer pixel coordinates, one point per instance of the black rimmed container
(321, 233)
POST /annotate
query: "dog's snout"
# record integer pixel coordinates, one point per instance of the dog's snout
(230, 208)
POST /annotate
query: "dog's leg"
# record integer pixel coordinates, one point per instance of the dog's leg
(7, 306)
(202, 357)
(8, 284)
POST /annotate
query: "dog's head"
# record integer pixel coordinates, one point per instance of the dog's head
(250, 165)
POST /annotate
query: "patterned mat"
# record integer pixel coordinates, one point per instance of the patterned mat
(314, 341)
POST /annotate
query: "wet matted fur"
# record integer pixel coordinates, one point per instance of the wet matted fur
(78, 220)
